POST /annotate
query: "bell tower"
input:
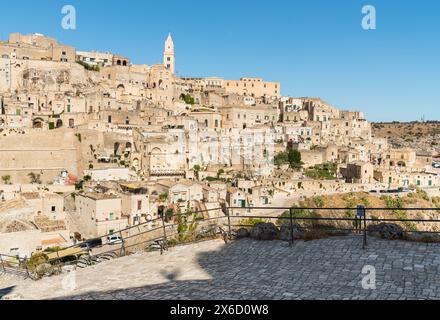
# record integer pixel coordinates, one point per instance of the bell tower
(168, 54)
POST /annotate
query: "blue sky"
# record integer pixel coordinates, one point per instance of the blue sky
(313, 47)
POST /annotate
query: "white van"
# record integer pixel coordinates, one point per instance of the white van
(114, 239)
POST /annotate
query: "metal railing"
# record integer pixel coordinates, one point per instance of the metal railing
(15, 265)
(195, 226)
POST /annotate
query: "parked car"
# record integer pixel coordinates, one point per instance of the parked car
(114, 239)
(403, 189)
(93, 243)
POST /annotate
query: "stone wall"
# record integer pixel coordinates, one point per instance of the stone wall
(42, 152)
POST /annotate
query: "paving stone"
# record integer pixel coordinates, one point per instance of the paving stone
(247, 269)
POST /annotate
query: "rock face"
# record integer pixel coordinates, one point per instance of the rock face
(285, 233)
(242, 233)
(390, 231)
(264, 231)
(44, 269)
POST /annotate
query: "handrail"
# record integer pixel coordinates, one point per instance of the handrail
(170, 229)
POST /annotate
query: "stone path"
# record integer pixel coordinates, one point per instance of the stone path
(246, 269)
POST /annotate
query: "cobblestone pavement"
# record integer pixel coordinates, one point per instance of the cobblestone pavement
(246, 269)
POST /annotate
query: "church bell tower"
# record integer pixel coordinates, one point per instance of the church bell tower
(168, 54)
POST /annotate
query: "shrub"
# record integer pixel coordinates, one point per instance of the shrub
(187, 98)
(35, 260)
(88, 66)
(186, 230)
(6, 179)
(326, 171)
(169, 214)
(34, 178)
(318, 201)
(297, 213)
(250, 222)
(163, 196)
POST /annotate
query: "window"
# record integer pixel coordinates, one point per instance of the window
(139, 204)
(52, 209)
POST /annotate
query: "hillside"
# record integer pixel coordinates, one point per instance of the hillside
(351, 200)
(422, 136)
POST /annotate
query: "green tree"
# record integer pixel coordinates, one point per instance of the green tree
(294, 157)
(281, 158)
(196, 170)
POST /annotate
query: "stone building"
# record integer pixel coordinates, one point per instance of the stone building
(254, 87)
(35, 47)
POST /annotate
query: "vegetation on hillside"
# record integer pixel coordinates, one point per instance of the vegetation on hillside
(187, 98)
(325, 171)
(88, 66)
(391, 204)
(291, 157)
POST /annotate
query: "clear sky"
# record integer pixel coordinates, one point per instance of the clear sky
(313, 47)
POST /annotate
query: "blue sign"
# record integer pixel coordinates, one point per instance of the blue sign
(360, 212)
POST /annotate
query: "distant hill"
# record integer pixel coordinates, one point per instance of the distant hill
(422, 136)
